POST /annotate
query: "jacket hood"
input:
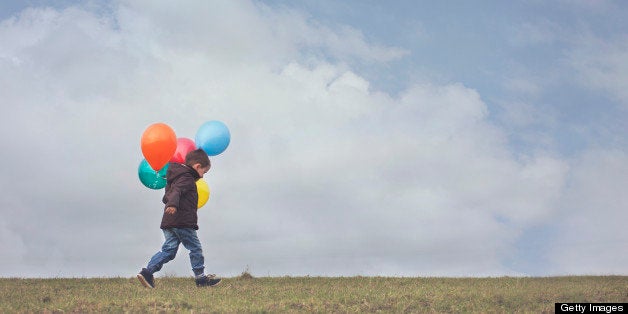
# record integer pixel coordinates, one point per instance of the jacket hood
(176, 170)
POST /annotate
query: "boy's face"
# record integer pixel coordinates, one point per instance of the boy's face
(200, 169)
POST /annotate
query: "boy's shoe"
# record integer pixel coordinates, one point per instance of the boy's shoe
(146, 278)
(207, 281)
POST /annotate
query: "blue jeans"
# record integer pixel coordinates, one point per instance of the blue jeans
(174, 237)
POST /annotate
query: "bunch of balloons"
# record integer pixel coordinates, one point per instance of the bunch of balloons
(160, 146)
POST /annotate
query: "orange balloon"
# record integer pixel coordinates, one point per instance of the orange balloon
(159, 142)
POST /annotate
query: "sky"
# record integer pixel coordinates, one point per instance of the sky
(397, 138)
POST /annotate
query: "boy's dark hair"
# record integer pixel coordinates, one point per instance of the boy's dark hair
(198, 156)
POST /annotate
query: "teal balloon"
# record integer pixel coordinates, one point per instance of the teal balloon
(150, 178)
(213, 137)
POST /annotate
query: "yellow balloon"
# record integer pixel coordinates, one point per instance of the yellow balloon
(203, 192)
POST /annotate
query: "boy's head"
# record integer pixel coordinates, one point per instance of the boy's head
(199, 161)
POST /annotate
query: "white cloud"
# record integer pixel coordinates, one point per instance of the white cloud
(602, 64)
(323, 175)
(591, 236)
(237, 31)
(12, 245)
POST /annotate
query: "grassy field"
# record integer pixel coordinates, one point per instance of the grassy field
(309, 294)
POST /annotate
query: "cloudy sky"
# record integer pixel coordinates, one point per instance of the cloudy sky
(397, 138)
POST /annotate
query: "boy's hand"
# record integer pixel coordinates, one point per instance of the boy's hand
(171, 210)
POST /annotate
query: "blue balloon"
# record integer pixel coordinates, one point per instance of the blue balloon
(150, 178)
(213, 137)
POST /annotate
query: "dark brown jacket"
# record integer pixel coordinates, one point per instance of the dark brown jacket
(181, 193)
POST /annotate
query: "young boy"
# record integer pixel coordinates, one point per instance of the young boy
(179, 222)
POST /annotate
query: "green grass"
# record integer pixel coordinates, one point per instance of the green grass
(309, 294)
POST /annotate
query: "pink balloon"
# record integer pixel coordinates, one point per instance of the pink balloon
(184, 146)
